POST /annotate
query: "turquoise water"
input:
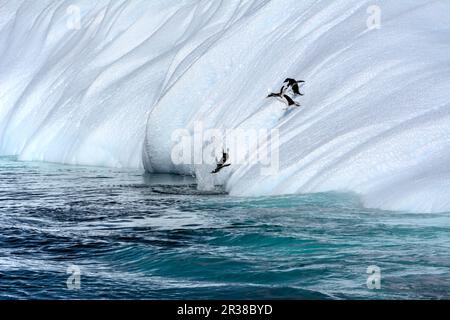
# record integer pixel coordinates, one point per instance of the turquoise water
(136, 236)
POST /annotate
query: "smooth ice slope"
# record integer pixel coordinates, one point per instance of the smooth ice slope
(375, 118)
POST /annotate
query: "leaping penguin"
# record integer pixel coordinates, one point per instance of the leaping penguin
(283, 97)
(294, 85)
(222, 162)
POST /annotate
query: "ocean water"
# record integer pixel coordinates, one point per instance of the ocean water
(137, 236)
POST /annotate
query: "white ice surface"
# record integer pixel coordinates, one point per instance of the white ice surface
(375, 119)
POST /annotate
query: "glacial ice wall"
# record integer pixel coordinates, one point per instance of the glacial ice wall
(107, 82)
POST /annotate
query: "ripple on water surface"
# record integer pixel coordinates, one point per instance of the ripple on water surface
(157, 236)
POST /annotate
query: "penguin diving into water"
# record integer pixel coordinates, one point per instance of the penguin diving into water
(283, 97)
(294, 85)
(222, 163)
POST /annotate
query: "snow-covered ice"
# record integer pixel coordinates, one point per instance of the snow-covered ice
(109, 89)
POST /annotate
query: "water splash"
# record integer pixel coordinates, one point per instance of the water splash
(205, 180)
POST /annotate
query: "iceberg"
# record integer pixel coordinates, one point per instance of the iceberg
(106, 83)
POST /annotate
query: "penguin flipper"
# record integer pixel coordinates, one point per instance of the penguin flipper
(299, 85)
(289, 100)
(296, 87)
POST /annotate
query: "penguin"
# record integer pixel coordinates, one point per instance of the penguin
(294, 85)
(222, 162)
(283, 97)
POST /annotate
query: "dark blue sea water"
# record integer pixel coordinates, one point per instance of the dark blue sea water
(136, 236)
